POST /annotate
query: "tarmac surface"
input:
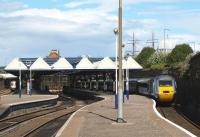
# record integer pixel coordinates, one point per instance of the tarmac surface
(99, 120)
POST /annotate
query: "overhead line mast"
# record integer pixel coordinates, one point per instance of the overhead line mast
(133, 42)
(153, 41)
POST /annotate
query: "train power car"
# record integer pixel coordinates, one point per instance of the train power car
(13, 85)
(162, 87)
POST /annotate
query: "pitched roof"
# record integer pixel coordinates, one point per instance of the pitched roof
(62, 64)
(40, 64)
(84, 63)
(95, 64)
(106, 63)
(130, 63)
(7, 76)
(16, 64)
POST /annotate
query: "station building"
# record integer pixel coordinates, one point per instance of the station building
(53, 73)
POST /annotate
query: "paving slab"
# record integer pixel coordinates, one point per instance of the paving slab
(99, 120)
(14, 99)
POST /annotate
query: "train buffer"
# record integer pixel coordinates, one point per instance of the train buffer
(99, 120)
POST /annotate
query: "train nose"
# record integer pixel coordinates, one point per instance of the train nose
(166, 92)
(166, 96)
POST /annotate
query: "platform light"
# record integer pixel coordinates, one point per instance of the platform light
(20, 79)
(30, 76)
(116, 63)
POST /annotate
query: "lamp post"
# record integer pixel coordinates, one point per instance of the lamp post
(116, 63)
(127, 77)
(30, 79)
(120, 90)
(30, 93)
(20, 79)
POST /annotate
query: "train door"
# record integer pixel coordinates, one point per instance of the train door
(151, 87)
(155, 92)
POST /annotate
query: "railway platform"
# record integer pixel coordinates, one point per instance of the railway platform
(99, 120)
(10, 103)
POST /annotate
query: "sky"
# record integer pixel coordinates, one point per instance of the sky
(32, 28)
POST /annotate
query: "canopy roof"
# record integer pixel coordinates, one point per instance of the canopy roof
(85, 64)
(106, 63)
(40, 64)
(16, 64)
(130, 63)
(96, 64)
(62, 64)
(7, 76)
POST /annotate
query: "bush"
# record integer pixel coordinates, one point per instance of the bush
(160, 66)
(144, 56)
(157, 58)
(179, 53)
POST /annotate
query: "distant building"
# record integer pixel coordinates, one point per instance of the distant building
(54, 54)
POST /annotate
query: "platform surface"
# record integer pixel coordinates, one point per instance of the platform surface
(15, 100)
(99, 120)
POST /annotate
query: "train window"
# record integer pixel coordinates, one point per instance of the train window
(144, 85)
(165, 83)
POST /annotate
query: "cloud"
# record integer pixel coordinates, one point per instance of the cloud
(76, 4)
(74, 32)
(80, 29)
(12, 5)
(77, 32)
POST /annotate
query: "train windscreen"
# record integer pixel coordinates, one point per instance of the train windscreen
(164, 83)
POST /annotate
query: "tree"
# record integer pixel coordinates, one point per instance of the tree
(179, 53)
(144, 56)
(157, 60)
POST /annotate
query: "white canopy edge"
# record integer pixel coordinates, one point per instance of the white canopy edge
(40, 64)
(16, 64)
(130, 63)
(7, 76)
(106, 63)
(85, 63)
(62, 64)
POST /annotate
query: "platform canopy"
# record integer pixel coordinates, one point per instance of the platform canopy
(62, 64)
(130, 63)
(40, 64)
(7, 76)
(85, 63)
(96, 64)
(106, 63)
(16, 64)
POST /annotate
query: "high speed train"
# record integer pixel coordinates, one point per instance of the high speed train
(162, 87)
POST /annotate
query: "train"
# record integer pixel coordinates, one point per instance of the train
(13, 85)
(161, 87)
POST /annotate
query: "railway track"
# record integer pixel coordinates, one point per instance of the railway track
(52, 126)
(173, 115)
(32, 126)
(40, 123)
(10, 126)
(5, 92)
